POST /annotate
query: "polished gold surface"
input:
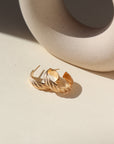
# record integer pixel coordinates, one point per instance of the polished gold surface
(52, 81)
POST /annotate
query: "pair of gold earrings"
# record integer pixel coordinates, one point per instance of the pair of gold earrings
(52, 81)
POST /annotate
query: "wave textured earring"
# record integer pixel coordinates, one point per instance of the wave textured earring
(52, 81)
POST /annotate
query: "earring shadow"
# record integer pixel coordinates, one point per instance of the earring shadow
(74, 93)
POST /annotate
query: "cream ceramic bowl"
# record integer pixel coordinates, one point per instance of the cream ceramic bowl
(65, 38)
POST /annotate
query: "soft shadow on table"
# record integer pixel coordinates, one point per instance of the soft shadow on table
(74, 93)
(11, 20)
(109, 75)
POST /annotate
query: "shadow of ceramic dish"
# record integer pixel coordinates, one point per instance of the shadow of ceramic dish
(11, 20)
(109, 75)
(74, 93)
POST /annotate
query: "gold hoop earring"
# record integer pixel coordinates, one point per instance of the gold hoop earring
(52, 81)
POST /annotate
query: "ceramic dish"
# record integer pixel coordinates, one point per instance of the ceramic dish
(65, 38)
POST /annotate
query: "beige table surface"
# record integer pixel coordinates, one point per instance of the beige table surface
(29, 116)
